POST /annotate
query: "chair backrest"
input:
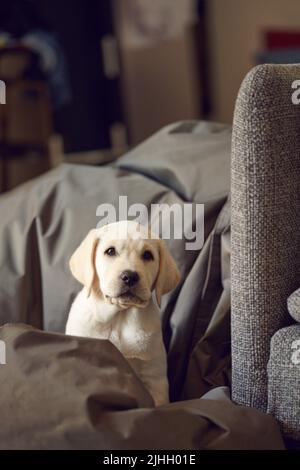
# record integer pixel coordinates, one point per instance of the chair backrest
(265, 241)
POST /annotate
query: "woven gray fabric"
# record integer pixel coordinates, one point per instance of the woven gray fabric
(284, 380)
(265, 223)
(294, 305)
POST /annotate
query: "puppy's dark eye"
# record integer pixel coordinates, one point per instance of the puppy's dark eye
(147, 255)
(111, 251)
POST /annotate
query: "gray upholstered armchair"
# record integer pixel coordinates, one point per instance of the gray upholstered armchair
(266, 244)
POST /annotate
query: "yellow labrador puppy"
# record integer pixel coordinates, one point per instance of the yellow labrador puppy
(119, 266)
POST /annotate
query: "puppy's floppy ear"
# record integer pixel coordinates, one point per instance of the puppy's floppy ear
(168, 275)
(82, 262)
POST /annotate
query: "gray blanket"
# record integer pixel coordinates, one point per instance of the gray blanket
(77, 382)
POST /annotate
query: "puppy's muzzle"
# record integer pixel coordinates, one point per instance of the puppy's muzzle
(129, 278)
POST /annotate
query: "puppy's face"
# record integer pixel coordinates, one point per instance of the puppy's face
(123, 263)
(127, 269)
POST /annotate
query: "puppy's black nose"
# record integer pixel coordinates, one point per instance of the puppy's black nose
(130, 278)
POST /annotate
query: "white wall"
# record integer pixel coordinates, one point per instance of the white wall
(235, 34)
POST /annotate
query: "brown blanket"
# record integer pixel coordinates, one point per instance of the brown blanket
(60, 392)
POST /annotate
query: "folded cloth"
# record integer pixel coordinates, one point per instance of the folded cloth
(64, 392)
(293, 304)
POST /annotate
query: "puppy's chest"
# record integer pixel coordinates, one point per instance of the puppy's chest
(131, 339)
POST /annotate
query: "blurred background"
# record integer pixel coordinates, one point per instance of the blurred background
(87, 80)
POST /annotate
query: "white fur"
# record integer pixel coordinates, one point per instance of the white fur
(135, 330)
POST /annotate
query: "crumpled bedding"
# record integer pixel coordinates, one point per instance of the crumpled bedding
(63, 392)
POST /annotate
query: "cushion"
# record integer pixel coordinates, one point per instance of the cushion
(294, 305)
